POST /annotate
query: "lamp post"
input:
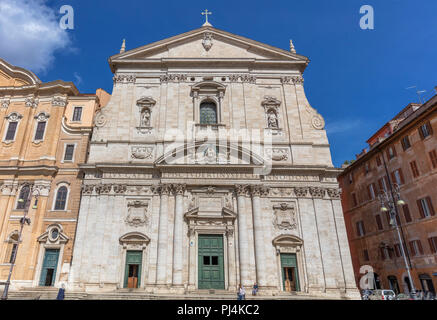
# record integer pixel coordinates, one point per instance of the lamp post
(23, 220)
(388, 204)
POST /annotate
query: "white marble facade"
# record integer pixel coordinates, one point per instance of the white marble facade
(137, 196)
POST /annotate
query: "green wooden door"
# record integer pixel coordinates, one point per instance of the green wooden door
(49, 266)
(289, 270)
(132, 273)
(211, 262)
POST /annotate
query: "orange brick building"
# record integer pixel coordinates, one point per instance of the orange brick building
(45, 129)
(404, 153)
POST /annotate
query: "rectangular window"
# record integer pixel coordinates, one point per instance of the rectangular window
(407, 214)
(425, 207)
(433, 157)
(378, 161)
(354, 199)
(397, 176)
(391, 152)
(371, 191)
(425, 130)
(382, 184)
(69, 150)
(10, 134)
(40, 128)
(405, 143)
(382, 253)
(366, 255)
(416, 247)
(77, 113)
(378, 222)
(433, 244)
(13, 252)
(414, 169)
(398, 251)
(360, 229)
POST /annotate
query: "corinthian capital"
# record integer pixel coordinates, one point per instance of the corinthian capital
(240, 189)
(258, 190)
(179, 188)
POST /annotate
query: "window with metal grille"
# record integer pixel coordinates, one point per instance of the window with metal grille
(69, 150)
(208, 113)
(12, 128)
(40, 128)
(61, 198)
(77, 113)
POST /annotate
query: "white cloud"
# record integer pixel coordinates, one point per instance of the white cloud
(78, 78)
(341, 126)
(30, 34)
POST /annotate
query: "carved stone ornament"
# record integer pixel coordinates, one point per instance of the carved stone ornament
(100, 119)
(277, 154)
(5, 103)
(124, 78)
(42, 116)
(243, 77)
(301, 192)
(334, 193)
(317, 192)
(173, 77)
(141, 152)
(137, 213)
(14, 117)
(207, 41)
(284, 216)
(31, 102)
(318, 122)
(59, 102)
(292, 80)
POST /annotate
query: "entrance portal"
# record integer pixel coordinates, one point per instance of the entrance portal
(211, 262)
(133, 269)
(290, 277)
(48, 272)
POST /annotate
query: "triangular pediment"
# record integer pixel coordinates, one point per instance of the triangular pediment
(191, 44)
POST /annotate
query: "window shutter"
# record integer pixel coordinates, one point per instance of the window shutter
(407, 214)
(413, 250)
(364, 229)
(419, 245)
(421, 133)
(393, 177)
(401, 176)
(419, 205)
(428, 124)
(431, 209)
(431, 245)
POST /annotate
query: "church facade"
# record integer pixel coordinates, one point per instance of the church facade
(209, 168)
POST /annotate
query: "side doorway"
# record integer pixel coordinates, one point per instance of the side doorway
(48, 271)
(290, 274)
(132, 274)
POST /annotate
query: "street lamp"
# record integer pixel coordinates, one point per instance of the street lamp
(23, 220)
(388, 204)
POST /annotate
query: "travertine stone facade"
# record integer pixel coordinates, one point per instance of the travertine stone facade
(34, 155)
(139, 197)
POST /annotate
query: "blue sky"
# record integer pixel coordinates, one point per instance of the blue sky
(356, 79)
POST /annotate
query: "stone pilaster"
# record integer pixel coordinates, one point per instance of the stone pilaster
(161, 273)
(243, 237)
(256, 193)
(178, 243)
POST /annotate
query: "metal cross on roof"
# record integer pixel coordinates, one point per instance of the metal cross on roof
(206, 13)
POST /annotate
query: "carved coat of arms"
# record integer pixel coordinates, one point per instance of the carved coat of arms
(137, 213)
(284, 216)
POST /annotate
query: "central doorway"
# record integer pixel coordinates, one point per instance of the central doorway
(290, 278)
(132, 274)
(50, 264)
(211, 262)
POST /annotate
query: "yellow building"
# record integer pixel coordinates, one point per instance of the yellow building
(45, 129)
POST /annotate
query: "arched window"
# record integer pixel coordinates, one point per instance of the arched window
(61, 198)
(208, 113)
(23, 198)
(12, 247)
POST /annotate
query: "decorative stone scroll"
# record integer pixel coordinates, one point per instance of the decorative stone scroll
(59, 102)
(5, 103)
(334, 193)
(317, 192)
(31, 102)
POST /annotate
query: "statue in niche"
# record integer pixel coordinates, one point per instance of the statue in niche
(145, 118)
(272, 119)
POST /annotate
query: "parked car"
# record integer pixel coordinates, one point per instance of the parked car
(365, 294)
(382, 295)
(404, 296)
